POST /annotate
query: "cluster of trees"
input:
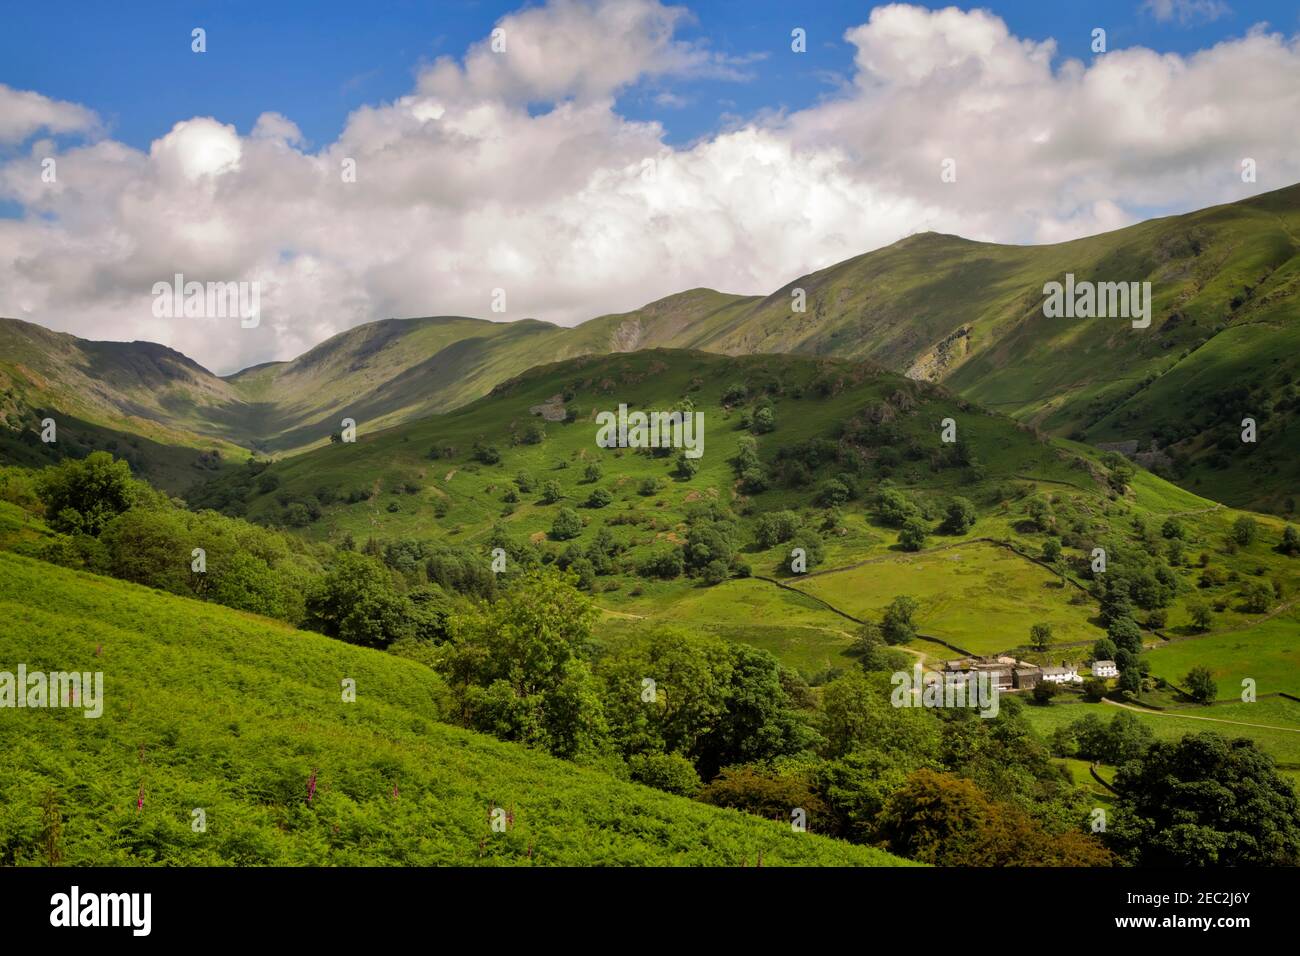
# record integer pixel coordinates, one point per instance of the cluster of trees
(727, 724)
(527, 668)
(112, 524)
(1124, 738)
(896, 509)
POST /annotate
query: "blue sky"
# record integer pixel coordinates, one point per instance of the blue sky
(316, 61)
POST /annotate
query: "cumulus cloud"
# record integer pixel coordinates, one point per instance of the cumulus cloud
(514, 170)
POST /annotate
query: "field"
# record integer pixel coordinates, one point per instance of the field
(1269, 653)
(980, 597)
(207, 708)
(1276, 723)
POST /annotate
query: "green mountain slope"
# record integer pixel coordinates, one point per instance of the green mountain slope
(1221, 347)
(207, 708)
(476, 478)
(147, 403)
(1222, 344)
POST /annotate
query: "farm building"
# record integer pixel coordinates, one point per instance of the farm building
(1026, 678)
(1104, 669)
(1066, 674)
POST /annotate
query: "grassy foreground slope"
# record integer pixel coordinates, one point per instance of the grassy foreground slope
(209, 708)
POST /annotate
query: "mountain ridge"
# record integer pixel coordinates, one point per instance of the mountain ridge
(1225, 285)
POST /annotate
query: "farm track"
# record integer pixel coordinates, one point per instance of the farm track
(1213, 720)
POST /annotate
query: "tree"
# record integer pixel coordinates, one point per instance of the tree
(894, 507)
(897, 626)
(775, 527)
(1051, 550)
(833, 492)
(857, 714)
(959, 518)
(667, 564)
(1244, 530)
(1125, 634)
(715, 572)
(764, 420)
(1130, 678)
(1040, 514)
(518, 667)
(150, 547)
(1094, 689)
(356, 602)
(1201, 615)
(857, 787)
(567, 525)
(1040, 636)
(551, 492)
(1201, 685)
(593, 472)
(1257, 597)
(82, 496)
(811, 542)
(911, 537)
(1290, 541)
(946, 820)
(686, 467)
(757, 723)
(1044, 691)
(766, 793)
(1205, 801)
(599, 498)
(1121, 473)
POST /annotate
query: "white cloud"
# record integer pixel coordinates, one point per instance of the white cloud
(575, 210)
(1187, 11)
(24, 113)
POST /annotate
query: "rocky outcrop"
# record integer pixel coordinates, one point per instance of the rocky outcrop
(933, 364)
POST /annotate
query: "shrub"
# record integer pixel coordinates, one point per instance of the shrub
(1244, 530)
(671, 773)
(764, 420)
(897, 626)
(960, 518)
(1200, 685)
(833, 492)
(665, 564)
(567, 525)
(911, 537)
(715, 572)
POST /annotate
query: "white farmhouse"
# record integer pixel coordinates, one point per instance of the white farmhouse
(1104, 669)
(1068, 674)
